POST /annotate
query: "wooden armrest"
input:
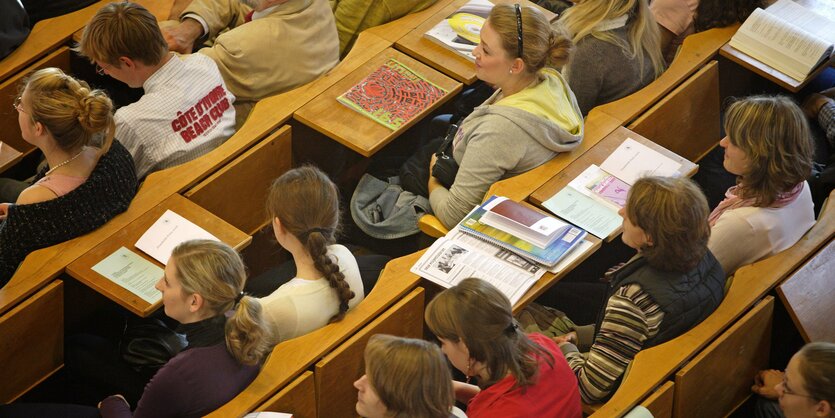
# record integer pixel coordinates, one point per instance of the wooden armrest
(432, 226)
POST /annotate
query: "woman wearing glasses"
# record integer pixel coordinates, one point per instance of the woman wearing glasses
(618, 50)
(805, 389)
(531, 117)
(83, 184)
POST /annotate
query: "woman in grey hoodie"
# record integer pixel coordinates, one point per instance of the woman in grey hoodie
(532, 116)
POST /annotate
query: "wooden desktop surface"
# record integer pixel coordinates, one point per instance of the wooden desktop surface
(354, 130)
(8, 156)
(825, 8)
(597, 155)
(81, 268)
(442, 59)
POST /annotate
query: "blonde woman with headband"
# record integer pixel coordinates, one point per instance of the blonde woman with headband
(769, 148)
(404, 377)
(516, 375)
(531, 117)
(83, 184)
(618, 50)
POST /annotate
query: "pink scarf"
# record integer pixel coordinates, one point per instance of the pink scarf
(733, 201)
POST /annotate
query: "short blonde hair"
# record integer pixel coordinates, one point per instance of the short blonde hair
(123, 29)
(216, 272)
(72, 112)
(673, 212)
(582, 19)
(774, 134)
(543, 46)
(410, 376)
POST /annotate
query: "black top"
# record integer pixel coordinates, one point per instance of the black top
(14, 26)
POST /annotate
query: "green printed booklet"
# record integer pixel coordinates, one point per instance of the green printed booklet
(392, 95)
(522, 230)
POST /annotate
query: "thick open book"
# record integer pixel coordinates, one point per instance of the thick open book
(460, 32)
(787, 37)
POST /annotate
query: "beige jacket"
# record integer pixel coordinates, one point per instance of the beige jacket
(295, 44)
(355, 16)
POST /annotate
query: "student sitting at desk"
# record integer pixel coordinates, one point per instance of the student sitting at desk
(768, 146)
(186, 110)
(404, 377)
(618, 50)
(83, 184)
(518, 375)
(670, 286)
(304, 207)
(203, 281)
(531, 117)
(679, 18)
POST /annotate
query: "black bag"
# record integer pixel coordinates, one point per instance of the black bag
(445, 167)
(148, 344)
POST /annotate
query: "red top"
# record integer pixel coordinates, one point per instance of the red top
(554, 395)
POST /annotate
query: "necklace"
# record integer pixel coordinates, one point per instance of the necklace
(64, 163)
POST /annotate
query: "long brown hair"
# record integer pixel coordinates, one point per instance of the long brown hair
(774, 134)
(480, 315)
(306, 202)
(216, 272)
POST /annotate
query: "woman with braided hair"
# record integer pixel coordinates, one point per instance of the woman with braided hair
(303, 205)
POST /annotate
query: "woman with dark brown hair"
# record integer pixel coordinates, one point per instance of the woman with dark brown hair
(303, 205)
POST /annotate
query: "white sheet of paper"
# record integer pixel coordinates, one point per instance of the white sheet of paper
(633, 160)
(583, 211)
(167, 232)
(129, 270)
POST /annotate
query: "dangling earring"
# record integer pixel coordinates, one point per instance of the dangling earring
(469, 371)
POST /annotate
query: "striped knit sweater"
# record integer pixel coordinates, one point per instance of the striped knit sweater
(630, 319)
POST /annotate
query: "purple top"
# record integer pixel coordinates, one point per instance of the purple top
(193, 383)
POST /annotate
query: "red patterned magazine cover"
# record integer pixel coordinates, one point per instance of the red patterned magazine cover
(392, 95)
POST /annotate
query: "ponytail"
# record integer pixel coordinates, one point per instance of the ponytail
(247, 335)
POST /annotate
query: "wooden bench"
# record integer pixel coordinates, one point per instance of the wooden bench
(395, 305)
(808, 294)
(751, 283)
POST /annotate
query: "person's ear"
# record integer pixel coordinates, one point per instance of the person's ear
(195, 302)
(823, 409)
(650, 242)
(518, 66)
(126, 62)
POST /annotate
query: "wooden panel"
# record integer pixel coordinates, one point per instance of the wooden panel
(686, 122)
(236, 193)
(357, 132)
(9, 90)
(722, 372)
(81, 269)
(336, 373)
(298, 398)
(808, 295)
(32, 342)
(660, 403)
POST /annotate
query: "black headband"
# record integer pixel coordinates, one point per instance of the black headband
(519, 28)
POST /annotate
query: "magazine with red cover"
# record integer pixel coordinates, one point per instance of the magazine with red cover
(392, 95)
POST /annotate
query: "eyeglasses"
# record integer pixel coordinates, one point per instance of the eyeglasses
(788, 391)
(99, 70)
(18, 105)
(519, 28)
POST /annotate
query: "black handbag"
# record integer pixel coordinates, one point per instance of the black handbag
(148, 344)
(445, 167)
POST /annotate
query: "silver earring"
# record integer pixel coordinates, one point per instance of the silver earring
(510, 72)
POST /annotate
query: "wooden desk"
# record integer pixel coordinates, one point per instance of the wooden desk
(824, 8)
(81, 269)
(807, 295)
(440, 58)
(597, 155)
(8, 156)
(354, 130)
(396, 29)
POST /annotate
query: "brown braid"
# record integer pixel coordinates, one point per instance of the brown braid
(317, 246)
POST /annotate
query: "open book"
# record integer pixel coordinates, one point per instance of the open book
(460, 32)
(788, 37)
(592, 200)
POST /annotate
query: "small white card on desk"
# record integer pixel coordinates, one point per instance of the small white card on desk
(633, 160)
(129, 270)
(167, 232)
